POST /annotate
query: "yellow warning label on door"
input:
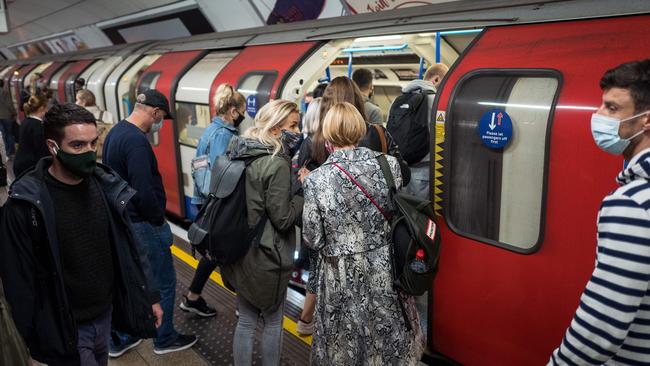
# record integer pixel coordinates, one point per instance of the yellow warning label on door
(437, 161)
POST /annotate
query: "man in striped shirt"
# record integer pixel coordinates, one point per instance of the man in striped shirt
(612, 323)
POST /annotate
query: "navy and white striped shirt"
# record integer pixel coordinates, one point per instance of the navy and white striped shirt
(612, 323)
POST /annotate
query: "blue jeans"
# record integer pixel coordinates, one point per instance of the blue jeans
(93, 340)
(158, 240)
(245, 334)
(7, 134)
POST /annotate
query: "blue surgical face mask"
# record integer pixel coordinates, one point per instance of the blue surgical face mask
(157, 125)
(605, 133)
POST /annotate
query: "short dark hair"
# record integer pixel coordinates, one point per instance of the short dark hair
(634, 76)
(62, 115)
(363, 78)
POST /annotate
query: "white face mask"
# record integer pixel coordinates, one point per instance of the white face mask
(605, 133)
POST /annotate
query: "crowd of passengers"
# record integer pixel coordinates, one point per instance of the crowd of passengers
(86, 263)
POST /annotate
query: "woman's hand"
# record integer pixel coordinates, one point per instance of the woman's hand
(302, 174)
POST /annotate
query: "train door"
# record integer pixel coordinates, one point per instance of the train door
(192, 114)
(4, 71)
(49, 72)
(126, 86)
(110, 85)
(56, 82)
(17, 87)
(66, 88)
(37, 70)
(9, 74)
(89, 71)
(98, 82)
(518, 180)
(164, 75)
(258, 73)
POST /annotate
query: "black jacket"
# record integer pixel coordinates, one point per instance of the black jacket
(30, 267)
(31, 145)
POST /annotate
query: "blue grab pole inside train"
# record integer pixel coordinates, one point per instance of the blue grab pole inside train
(421, 68)
(350, 65)
(328, 76)
(437, 47)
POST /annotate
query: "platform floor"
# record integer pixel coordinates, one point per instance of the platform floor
(215, 334)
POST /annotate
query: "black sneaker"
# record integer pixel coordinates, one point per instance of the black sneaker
(198, 307)
(183, 341)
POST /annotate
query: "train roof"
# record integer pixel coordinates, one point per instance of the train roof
(429, 18)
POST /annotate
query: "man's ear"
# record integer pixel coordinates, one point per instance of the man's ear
(646, 122)
(51, 146)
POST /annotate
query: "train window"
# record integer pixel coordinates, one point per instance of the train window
(256, 88)
(497, 195)
(191, 120)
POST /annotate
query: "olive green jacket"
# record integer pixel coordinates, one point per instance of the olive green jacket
(262, 276)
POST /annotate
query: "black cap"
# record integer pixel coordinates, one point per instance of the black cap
(156, 99)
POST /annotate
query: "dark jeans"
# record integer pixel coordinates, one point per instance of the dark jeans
(8, 135)
(93, 340)
(158, 240)
(202, 274)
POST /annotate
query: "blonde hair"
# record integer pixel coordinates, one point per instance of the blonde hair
(225, 97)
(273, 114)
(311, 120)
(435, 70)
(343, 125)
(34, 103)
(87, 97)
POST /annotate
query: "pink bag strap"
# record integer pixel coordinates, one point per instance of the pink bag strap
(364, 191)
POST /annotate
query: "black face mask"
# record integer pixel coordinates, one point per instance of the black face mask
(237, 121)
(291, 142)
(82, 165)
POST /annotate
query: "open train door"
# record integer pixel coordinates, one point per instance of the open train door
(164, 75)
(65, 84)
(259, 72)
(49, 72)
(192, 114)
(520, 181)
(17, 87)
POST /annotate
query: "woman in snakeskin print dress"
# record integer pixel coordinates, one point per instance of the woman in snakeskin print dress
(358, 320)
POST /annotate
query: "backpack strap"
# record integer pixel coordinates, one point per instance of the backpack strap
(382, 138)
(388, 175)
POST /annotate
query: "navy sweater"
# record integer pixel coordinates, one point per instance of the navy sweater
(129, 153)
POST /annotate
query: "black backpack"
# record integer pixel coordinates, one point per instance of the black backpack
(408, 124)
(413, 227)
(221, 231)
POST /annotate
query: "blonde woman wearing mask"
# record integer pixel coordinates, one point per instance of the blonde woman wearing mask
(262, 276)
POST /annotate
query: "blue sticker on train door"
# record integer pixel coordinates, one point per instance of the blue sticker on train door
(251, 105)
(495, 129)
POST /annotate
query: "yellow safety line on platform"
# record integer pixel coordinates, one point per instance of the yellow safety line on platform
(288, 324)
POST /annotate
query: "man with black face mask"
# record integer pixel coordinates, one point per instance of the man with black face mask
(127, 150)
(610, 326)
(66, 254)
